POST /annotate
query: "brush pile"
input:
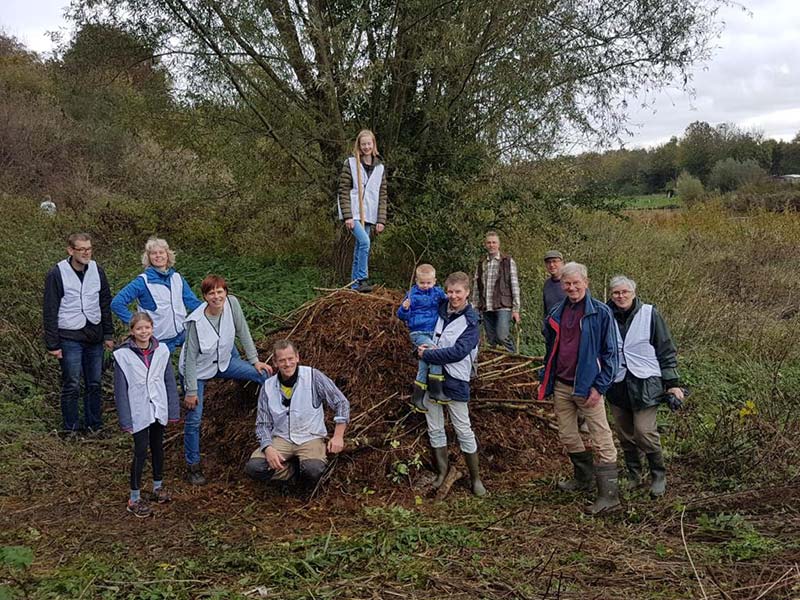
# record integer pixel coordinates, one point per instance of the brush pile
(357, 341)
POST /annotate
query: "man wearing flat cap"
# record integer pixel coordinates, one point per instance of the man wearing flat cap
(552, 293)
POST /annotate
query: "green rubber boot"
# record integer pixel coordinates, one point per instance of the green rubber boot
(418, 397)
(607, 489)
(436, 389)
(658, 474)
(583, 480)
(440, 459)
(633, 463)
(474, 474)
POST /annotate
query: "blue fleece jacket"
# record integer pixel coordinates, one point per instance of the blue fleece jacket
(455, 389)
(598, 352)
(424, 309)
(121, 389)
(137, 290)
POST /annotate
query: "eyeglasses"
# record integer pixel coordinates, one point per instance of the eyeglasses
(622, 293)
(84, 250)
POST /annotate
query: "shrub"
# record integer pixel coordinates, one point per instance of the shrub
(729, 174)
(689, 188)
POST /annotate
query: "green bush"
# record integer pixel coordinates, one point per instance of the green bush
(730, 174)
(689, 188)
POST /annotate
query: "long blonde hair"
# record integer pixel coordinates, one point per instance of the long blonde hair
(357, 147)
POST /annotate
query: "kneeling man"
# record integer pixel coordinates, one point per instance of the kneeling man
(290, 423)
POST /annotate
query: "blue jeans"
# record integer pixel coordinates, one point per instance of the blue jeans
(497, 324)
(360, 252)
(81, 358)
(424, 337)
(174, 342)
(237, 369)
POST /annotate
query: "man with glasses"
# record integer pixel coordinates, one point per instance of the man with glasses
(290, 421)
(77, 324)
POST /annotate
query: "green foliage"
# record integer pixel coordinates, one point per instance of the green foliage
(16, 557)
(689, 189)
(730, 174)
(744, 542)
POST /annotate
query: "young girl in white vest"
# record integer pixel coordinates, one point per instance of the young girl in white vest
(456, 336)
(362, 202)
(147, 399)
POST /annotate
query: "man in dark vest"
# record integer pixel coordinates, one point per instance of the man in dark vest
(77, 323)
(495, 293)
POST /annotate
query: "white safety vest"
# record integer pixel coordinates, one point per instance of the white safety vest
(372, 192)
(445, 337)
(215, 348)
(81, 300)
(147, 392)
(302, 421)
(170, 312)
(638, 355)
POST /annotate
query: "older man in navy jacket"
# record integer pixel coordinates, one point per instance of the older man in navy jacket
(580, 364)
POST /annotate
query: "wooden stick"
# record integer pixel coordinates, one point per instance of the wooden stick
(453, 475)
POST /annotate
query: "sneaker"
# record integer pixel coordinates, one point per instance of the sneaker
(363, 287)
(139, 509)
(160, 495)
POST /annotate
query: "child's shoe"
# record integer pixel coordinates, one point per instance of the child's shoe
(160, 495)
(139, 508)
(436, 389)
(418, 397)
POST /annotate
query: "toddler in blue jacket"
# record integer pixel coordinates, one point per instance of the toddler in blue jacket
(419, 311)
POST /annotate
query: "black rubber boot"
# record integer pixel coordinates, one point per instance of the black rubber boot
(194, 474)
(474, 474)
(418, 396)
(436, 389)
(583, 480)
(658, 474)
(633, 463)
(440, 459)
(607, 489)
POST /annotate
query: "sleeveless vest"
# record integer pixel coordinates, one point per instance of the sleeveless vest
(372, 189)
(81, 300)
(215, 348)
(147, 392)
(170, 312)
(638, 354)
(303, 420)
(445, 337)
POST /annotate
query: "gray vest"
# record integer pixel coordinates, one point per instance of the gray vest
(638, 355)
(215, 348)
(303, 420)
(170, 312)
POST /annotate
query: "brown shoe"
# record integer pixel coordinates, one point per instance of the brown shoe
(139, 509)
(160, 496)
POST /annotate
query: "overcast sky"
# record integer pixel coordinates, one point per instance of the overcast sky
(752, 80)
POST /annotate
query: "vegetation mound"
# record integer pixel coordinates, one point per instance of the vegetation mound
(357, 341)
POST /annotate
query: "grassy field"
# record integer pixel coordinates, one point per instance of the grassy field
(651, 201)
(729, 526)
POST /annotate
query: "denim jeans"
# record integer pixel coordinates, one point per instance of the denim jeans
(81, 358)
(418, 338)
(237, 369)
(497, 324)
(360, 252)
(174, 342)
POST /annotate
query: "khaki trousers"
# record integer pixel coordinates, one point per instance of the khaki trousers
(637, 429)
(311, 450)
(567, 407)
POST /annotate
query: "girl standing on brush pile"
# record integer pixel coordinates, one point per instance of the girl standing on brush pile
(362, 202)
(147, 399)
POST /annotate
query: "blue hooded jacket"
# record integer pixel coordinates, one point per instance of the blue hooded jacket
(455, 389)
(137, 290)
(424, 309)
(598, 352)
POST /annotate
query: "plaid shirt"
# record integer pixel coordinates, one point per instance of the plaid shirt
(491, 264)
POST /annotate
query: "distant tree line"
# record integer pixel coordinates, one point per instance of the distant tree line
(722, 157)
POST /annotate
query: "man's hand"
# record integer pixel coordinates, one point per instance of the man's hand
(379, 227)
(190, 402)
(515, 317)
(109, 344)
(421, 349)
(406, 304)
(594, 398)
(336, 444)
(349, 223)
(274, 458)
(57, 353)
(261, 367)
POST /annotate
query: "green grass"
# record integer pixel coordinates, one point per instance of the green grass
(650, 201)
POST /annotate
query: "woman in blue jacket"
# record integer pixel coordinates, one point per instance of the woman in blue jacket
(161, 292)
